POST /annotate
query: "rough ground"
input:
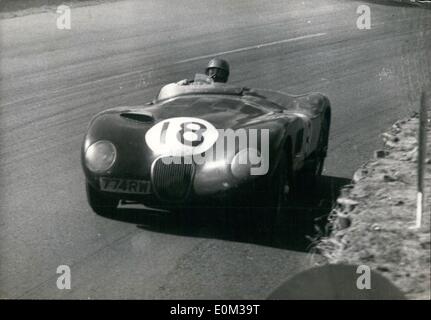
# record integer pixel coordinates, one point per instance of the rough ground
(422, 3)
(370, 224)
(18, 8)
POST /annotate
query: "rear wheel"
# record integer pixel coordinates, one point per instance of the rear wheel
(101, 203)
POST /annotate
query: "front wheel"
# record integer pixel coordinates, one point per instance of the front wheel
(102, 204)
(313, 166)
(311, 171)
(265, 206)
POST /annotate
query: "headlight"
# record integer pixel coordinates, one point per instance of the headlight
(243, 162)
(100, 156)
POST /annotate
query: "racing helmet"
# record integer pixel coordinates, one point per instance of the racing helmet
(218, 70)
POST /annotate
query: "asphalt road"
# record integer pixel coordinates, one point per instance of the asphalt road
(121, 53)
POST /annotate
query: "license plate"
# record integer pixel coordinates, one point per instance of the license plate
(125, 186)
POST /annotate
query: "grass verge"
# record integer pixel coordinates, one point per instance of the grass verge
(370, 225)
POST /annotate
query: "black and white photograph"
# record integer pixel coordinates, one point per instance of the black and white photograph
(235, 151)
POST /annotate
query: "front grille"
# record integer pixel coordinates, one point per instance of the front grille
(172, 178)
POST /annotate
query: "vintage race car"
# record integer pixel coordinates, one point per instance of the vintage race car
(206, 143)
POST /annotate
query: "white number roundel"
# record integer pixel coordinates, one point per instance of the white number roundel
(182, 136)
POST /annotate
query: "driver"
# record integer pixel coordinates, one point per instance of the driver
(217, 69)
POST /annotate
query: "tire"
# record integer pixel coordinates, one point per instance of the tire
(313, 166)
(102, 204)
(312, 169)
(265, 207)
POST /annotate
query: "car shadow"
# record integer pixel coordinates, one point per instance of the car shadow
(303, 215)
